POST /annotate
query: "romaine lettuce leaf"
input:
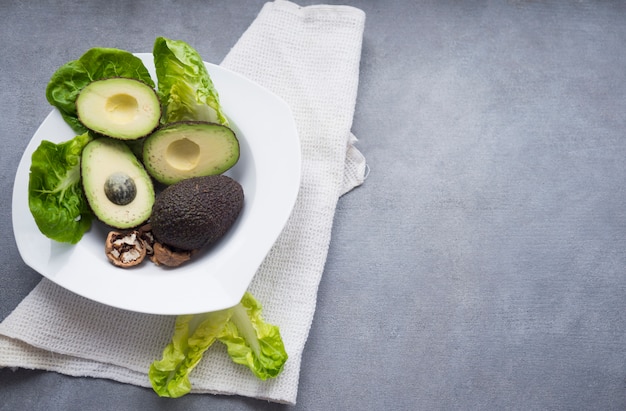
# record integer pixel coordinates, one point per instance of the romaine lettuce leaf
(97, 63)
(193, 335)
(253, 342)
(184, 84)
(55, 193)
(249, 340)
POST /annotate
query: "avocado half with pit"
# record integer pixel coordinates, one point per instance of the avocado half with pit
(117, 186)
(187, 149)
(122, 108)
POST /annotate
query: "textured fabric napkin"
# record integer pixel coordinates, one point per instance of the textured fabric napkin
(310, 57)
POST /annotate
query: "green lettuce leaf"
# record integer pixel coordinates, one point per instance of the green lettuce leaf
(55, 193)
(249, 340)
(193, 335)
(97, 63)
(184, 84)
(253, 342)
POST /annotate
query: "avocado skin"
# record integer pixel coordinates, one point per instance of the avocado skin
(196, 212)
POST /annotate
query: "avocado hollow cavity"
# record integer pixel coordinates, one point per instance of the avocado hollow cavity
(121, 108)
(182, 154)
(187, 149)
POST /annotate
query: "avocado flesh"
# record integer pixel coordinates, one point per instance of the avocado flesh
(187, 149)
(196, 212)
(118, 188)
(121, 108)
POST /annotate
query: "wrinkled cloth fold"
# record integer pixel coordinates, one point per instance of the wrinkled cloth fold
(309, 56)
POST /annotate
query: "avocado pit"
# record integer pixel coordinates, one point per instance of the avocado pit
(120, 188)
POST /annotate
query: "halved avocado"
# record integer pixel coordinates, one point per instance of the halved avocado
(122, 108)
(186, 149)
(117, 186)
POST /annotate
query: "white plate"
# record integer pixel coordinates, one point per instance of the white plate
(268, 170)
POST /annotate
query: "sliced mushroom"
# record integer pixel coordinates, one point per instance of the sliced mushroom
(125, 249)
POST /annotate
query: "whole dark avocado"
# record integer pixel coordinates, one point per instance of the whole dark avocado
(196, 212)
